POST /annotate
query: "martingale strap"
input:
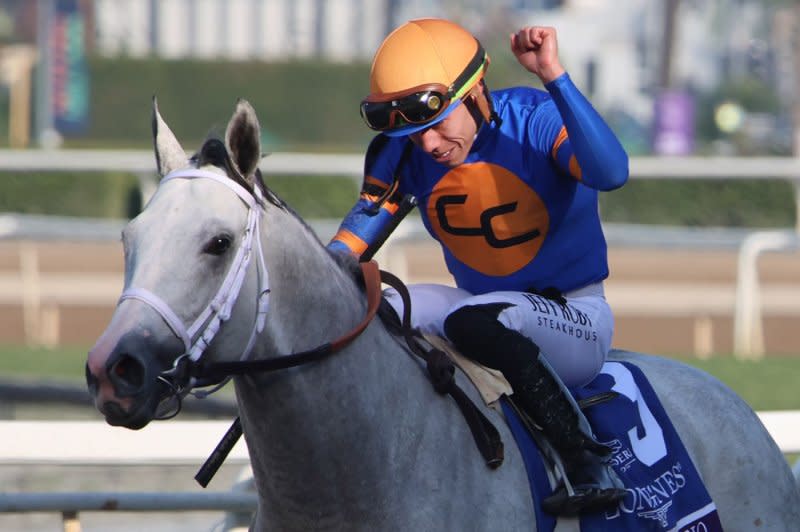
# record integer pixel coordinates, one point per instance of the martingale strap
(441, 371)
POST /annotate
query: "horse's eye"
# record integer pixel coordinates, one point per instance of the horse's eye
(218, 245)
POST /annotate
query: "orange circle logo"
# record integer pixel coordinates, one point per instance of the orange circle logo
(488, 218)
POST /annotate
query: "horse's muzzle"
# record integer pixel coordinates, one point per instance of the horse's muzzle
(126, 387)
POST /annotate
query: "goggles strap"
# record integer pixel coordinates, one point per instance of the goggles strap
(472, 68)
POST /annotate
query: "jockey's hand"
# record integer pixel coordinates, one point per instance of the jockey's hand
(536, 49)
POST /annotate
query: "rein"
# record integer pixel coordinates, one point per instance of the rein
(218, 370)
(440, 370)
(223, 370)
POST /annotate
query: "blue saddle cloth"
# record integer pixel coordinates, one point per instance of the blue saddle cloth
(664, 490)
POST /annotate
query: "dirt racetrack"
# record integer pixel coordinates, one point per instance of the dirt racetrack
(666, 301)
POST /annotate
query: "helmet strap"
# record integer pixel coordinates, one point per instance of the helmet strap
(482, 100)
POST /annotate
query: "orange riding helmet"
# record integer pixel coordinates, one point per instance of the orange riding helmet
(420, 73)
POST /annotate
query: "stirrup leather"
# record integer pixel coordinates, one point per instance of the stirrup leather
(598, 487)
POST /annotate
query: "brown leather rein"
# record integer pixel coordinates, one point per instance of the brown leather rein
(220, 370)
(439, 367)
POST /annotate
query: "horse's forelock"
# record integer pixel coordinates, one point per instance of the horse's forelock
(215, 153)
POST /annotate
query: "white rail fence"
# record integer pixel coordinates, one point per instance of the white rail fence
(748, 335)
(94, 443)
(82, 443)
(748, 340)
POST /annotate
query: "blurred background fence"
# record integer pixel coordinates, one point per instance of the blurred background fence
(47, 278)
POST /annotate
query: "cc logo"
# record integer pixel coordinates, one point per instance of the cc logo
(485, 228)
(488, 218)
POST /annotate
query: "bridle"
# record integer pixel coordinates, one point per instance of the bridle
(197, 336)
(189, 370)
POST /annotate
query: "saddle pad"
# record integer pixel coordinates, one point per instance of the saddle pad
(490, 383)
(664, 490)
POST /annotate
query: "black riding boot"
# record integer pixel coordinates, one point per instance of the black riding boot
(539, 392)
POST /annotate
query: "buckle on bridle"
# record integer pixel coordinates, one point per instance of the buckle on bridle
(177, 382)
(180, 374)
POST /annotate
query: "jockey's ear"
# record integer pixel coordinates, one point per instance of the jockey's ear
(169, 153)
(243, 139)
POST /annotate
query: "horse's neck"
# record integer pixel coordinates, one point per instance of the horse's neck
(334, 442)
(312, 422)
(312, 299)
(330, 440)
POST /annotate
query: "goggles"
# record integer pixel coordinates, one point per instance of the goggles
(417, 106)
(423, 103)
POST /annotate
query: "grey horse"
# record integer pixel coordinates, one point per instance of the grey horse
(358, 440)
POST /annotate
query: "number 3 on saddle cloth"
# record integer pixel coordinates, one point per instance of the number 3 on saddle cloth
(664, 490)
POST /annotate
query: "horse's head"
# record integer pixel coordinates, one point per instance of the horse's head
(187, 255)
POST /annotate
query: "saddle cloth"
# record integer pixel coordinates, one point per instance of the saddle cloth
(664, 490)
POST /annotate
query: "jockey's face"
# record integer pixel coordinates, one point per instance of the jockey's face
(449, 141)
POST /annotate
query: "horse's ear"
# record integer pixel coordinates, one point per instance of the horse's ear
(243, 139)
(169, 153)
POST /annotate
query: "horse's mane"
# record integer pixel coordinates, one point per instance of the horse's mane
(347, 262)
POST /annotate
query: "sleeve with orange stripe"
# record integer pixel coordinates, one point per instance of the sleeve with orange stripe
(586, 147)
(564, 157)
(375, 208)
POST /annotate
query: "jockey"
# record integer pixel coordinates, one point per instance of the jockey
(507, 183)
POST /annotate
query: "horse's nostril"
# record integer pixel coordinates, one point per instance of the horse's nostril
(127, 375)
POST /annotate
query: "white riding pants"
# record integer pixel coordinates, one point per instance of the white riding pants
(574, 338)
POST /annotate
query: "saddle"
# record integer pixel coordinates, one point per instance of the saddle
(663, 487)
(658, 476)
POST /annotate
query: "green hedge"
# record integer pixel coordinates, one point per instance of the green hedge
(669, 202)
(702, 202)
(96, 195)
(316, 196)
(116, 195)
(309, 105)
(314, 106)
(300, 104)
